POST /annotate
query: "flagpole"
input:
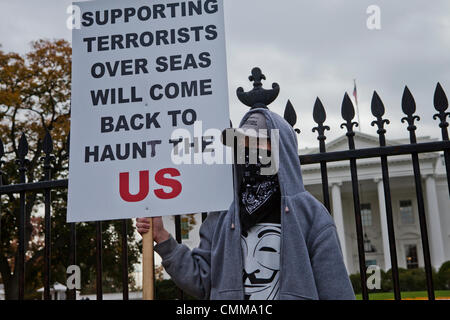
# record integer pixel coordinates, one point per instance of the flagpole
(355, 95)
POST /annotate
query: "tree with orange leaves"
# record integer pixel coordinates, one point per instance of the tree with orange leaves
(34, 99)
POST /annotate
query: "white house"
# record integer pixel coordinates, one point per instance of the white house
(404, 206)
(57, 291)
(373, 211)
(134, 295)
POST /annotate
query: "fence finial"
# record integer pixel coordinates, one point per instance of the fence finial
(47, 147)
(2, 149)
(67, 147)
(2, 153)
(441, 105)
(378, 110)
(22, 150)
(408, 102)
(409, 107)
(21, 161)
(319, 116)
(258, 97)
(348, 113)
(291, 116)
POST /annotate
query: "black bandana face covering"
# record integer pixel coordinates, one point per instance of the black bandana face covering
(259, 194)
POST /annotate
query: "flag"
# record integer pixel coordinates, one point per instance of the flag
(355, 92)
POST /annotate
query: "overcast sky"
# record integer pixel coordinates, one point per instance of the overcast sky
(311, 48)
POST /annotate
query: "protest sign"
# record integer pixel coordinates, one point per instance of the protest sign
(141, 70)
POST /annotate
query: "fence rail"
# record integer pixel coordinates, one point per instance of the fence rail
(46, 185)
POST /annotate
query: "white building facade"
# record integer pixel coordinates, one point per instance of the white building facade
(373, 211)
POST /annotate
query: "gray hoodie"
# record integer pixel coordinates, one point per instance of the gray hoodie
(311, 262)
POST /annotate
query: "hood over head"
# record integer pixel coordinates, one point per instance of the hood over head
(289, 170)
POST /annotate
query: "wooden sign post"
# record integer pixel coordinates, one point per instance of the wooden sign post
(148, 290)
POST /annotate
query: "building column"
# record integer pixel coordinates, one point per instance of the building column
(434, 223)
(384, 224)
(339, 218)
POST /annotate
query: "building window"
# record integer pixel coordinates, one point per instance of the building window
(184, 227)
(406, 212)
(366, 214)
(368, 247)
(411, 256)
(371, 262)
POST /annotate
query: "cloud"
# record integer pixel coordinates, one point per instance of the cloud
(311, 48)
(317, 49)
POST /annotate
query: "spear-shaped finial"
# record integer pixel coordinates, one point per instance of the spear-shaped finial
(291, 116)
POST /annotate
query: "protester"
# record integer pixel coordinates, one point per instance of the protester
(276, 241)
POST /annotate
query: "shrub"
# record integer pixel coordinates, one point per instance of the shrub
(410, 279)
(167, 290)
(443, 276)
(356, 282)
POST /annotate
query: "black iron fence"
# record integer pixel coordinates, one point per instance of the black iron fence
(46, 185)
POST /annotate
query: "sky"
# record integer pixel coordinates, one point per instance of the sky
(311, 49)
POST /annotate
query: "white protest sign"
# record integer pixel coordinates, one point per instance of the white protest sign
(141, 70)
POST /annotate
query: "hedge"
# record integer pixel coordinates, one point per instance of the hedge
(410, 279)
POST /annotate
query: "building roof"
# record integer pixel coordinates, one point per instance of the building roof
(370, 168)
(363, 137)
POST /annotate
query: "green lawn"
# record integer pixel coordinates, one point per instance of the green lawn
(405, 295)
